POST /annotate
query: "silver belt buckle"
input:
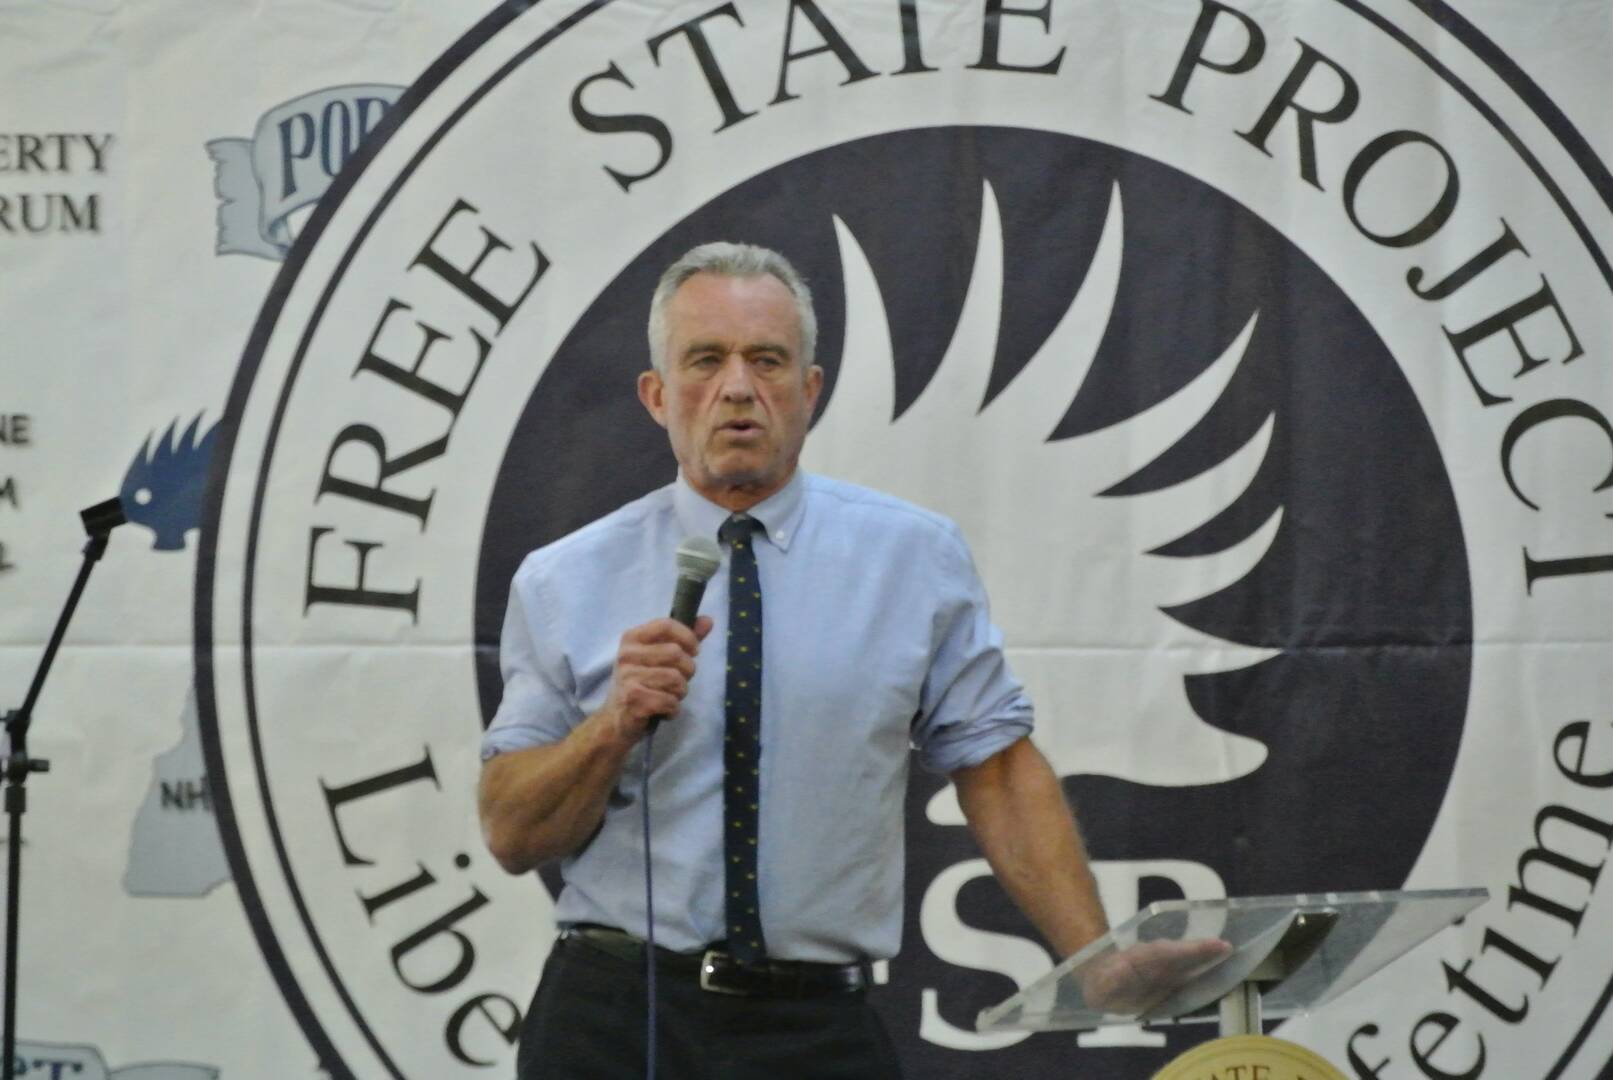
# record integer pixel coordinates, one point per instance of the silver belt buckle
(708, 968)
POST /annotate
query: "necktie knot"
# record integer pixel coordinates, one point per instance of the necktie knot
(738, 528)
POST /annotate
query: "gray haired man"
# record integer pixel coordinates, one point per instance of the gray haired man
(778, 832)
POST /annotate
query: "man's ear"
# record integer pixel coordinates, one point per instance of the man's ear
(652, 391)
(814, 386)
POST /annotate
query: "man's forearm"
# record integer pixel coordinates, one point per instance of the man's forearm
(544, 802)
(1017, 812)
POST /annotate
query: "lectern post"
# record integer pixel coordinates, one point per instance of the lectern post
(1240, 1010)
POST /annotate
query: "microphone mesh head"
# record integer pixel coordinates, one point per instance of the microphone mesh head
(698, 558)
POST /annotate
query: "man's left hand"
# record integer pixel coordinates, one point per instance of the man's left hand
(1134, 979)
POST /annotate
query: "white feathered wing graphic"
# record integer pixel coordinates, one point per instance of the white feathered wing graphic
(1077, 597)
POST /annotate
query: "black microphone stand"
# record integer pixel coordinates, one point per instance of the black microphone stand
(99, 521)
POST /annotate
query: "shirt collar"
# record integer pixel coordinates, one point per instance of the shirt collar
(780, 513)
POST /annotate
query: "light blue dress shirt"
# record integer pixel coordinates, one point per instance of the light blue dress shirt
(876, 638)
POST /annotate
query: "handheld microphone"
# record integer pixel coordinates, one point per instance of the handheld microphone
(698, 558)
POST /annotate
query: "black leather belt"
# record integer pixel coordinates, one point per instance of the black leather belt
(720, 973)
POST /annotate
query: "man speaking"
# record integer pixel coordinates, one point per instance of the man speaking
(847, 628)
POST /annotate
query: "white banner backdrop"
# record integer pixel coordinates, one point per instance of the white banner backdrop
(1258, 347)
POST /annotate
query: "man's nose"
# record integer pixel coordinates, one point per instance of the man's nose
(737, 380)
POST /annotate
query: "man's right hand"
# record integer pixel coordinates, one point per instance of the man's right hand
(547, 801)
(654, 664)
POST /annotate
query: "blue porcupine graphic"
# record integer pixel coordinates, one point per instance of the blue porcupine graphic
(163, 488)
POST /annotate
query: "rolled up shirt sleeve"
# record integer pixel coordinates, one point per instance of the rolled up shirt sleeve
(972, 706)
(539, 706)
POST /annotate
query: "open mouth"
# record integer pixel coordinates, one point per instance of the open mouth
(742, 427)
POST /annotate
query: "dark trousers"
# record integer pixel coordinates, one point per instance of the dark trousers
(587, 1022)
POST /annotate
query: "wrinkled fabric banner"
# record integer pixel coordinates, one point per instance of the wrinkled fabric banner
(1258, 349)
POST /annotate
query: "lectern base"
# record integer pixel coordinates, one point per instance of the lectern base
(1249, 1057)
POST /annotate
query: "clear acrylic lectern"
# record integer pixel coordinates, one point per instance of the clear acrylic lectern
(1289, 954)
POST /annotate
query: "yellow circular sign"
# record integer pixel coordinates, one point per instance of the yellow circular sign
(1249, 1057)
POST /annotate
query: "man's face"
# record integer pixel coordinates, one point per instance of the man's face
(735, 397)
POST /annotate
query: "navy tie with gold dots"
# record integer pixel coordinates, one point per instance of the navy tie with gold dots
(742, 742)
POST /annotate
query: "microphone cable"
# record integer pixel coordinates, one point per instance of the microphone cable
(649, 917)
(697, 559)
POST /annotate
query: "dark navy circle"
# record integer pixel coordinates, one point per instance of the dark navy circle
(1364, 590)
